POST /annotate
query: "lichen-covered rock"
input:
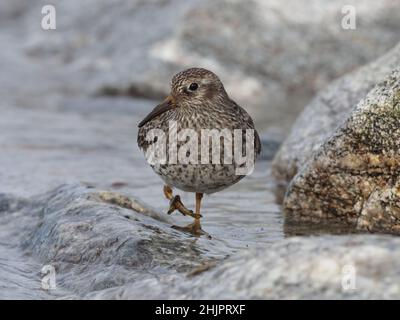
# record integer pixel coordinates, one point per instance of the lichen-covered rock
(328, 109)
(353, 178)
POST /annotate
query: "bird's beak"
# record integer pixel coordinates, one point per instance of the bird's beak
(168, 104)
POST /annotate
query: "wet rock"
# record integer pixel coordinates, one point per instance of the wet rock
(357, 267)
(352, 178)
(308, 268)
(328, 109)
(98, 240)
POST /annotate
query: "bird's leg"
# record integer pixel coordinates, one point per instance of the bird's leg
(175, 203)
(195, 227)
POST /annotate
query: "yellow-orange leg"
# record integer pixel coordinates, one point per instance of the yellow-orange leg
(195, 227)
(175, 203)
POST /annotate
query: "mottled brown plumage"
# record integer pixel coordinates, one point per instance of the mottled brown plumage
(198, 100)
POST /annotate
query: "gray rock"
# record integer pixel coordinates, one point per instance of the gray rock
(350, 267)
(329, 109)
(308, 268)
(352, 178)
(98, 240)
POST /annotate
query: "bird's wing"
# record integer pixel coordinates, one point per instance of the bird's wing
(247, 122)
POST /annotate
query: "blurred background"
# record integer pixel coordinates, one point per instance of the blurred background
(71, 98)
(272, 56)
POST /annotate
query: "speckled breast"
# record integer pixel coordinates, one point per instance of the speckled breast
(205, 178)
(194, 176)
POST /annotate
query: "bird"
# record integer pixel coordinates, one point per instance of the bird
(197, 101)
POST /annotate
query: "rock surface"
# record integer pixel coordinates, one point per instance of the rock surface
(330, 108)
(97, 240)
(352, 178)
(307, 268)
(107, 246)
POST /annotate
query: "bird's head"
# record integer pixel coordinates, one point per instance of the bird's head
(191, 88)
(196, 86)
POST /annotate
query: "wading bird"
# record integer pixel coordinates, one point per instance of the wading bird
(198, 101)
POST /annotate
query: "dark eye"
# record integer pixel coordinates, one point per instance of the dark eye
(193, 86)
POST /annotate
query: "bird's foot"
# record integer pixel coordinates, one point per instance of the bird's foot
(176, 204)
(194, 229)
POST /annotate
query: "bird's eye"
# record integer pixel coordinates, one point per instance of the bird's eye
(193, 86)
